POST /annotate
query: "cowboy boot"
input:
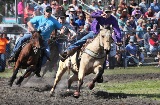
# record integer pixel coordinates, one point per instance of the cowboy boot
(66, 54)
(14, 57)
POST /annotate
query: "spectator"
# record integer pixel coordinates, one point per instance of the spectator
(75, 4)
(112, 4)
(88, 22)
(119, 12)
(54, 6)
(80, 21)
(20, 9)
(150, 14)
(125, 14)
(38, 8)
(100, 6)
(73, 26)
(28, 13)
(131, 53)
(122, 5)
(111, 56)
(45, 4)
(154, 29)
(80, 11)
(121, 23)
(158, 56)
(144, 6)
(132, 22)
(3, 43)
(128, 28)
(132, 6)
(93, 6)
(140, 31)
(65, 5)
(72, 14)
(155, 6)
(154, 46)
(114, 13)
(146, 38)
(137, 11)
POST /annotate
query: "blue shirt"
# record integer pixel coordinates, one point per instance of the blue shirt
(46, 25)
(80, 22)
(154, 7)
(140, 32)
(132, 49)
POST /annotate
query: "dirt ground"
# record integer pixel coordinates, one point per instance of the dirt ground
(36, 92)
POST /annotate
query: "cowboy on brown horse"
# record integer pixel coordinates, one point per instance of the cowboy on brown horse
(46, 23)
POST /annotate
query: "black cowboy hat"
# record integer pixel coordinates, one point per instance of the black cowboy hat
(108, 9)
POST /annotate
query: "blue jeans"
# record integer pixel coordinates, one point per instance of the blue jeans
(2, 62)
(27, 37)
(82, 41)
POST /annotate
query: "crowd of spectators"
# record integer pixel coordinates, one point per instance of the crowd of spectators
(138, 23)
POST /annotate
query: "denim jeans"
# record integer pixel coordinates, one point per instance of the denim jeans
(2, 62)
(82, 41)
(20, 42)
(130, 57)
(27, 37)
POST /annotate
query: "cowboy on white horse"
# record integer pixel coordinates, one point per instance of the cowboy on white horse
(103, 18)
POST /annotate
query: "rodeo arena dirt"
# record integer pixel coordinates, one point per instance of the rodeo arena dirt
(36, 92)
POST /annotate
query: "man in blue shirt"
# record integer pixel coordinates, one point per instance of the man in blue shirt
(46, 24)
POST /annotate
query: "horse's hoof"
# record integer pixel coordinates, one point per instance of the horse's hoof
(100, 80)
(10, 84)
(51, 93)
(91, 86)
(76, 94)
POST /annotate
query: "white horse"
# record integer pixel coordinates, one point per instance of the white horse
(92, 60)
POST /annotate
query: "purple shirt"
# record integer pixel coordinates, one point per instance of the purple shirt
(99, 20)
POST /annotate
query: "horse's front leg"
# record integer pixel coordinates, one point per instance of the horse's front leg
(15, 71)
(25, 75)
(72, 78)
(98, 71)
(59, 75)
(81, 75)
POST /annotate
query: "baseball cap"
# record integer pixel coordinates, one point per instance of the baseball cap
(148, 28)
(108, 10)
(48, 9)
(72, 9)
(64, 0)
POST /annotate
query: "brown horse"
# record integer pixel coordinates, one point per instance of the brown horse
(95, 52)
(28, 58)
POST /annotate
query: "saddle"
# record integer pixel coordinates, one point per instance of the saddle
(78, 56)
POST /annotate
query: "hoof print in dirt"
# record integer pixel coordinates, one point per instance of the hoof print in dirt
(66, 94)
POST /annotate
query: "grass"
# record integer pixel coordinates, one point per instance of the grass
(6, 74)
(133, 70)
(140, 88)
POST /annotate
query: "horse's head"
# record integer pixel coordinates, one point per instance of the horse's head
(36, 40)
(106, 39)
